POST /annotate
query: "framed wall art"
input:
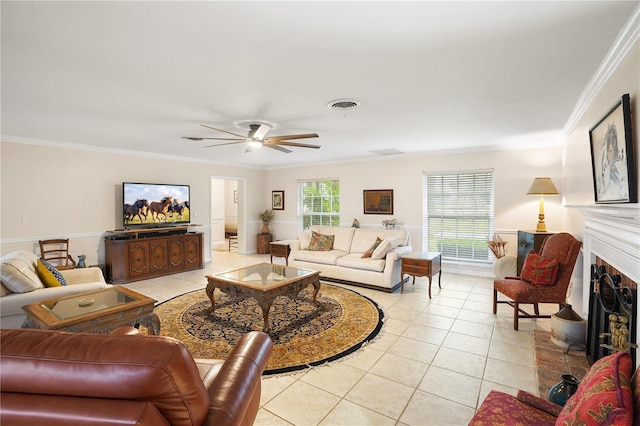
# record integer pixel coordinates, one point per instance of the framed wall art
(277, 200)
(378, 201)
(612, 156)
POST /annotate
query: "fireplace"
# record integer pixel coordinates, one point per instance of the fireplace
(611, 293)
(610, 272)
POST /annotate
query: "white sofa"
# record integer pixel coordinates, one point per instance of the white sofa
(344, 263)
(21, 285)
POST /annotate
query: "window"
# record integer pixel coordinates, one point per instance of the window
(458, 214)
(318, 203)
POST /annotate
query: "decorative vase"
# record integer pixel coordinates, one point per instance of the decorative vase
(265, 228)
(562, 391)
(81, 263)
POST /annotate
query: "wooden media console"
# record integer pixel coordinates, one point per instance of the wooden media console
(134, 255)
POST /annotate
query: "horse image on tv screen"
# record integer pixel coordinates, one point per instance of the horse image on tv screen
(155, 204)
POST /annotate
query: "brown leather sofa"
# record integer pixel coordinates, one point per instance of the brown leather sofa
(60, 378)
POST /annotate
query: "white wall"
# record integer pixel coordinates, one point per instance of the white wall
(75, 193)
(514, 173)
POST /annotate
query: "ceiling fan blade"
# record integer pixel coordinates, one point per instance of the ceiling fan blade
(223, 131)
(260, 132)
(216, 139)
(279, 148)
(289, 137)
(300, 145)
(221, 144)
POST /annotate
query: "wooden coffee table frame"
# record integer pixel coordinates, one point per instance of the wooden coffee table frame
(138, 312)
(263, 294)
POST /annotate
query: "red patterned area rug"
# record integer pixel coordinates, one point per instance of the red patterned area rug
(303, 335)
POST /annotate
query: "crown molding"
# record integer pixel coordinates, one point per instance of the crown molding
(628, 38)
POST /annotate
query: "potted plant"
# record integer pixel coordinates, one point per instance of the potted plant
(266, 217)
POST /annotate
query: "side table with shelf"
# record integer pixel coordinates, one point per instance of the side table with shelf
(421, 264)
(280, 249)
(527, 241)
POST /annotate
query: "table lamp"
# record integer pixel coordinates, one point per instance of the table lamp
(542, 186)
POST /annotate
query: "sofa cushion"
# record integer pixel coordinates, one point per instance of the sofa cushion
(49, 275)
(501, 408)
(18, 272)
(539, 270)
(371, 249)
(356, 261)
(321, 242)
(385, 247)
(343, 236)
(323, 257)
(304, 238)
(604, 395)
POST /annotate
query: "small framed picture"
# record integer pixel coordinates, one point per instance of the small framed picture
(277, 200)
(612, 156)
(378, 201)
(235, 196)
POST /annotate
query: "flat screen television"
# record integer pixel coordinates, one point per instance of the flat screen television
(147, 205)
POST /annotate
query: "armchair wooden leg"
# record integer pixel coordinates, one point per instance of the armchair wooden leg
(495, 301)
(516, 309)
(535, 309)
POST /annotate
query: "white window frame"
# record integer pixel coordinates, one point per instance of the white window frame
(328, 215)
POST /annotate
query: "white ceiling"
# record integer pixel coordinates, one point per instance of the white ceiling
(430, 76)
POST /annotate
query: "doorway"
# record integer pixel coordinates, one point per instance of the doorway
(227, 212)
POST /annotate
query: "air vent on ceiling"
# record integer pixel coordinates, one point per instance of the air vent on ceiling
(389, 151)
(342, 104)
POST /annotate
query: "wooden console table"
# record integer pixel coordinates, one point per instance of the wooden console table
(145, 254)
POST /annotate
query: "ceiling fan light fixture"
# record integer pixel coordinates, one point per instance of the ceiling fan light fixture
(343, 104)
(255, 144)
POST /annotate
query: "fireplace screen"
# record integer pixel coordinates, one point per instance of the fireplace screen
(612, 319)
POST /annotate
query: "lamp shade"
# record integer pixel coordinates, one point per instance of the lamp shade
(543, 186)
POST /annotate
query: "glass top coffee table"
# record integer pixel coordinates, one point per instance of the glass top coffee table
(263, 282)
(99, 311)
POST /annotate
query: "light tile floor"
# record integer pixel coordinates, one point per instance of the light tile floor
(432, 364)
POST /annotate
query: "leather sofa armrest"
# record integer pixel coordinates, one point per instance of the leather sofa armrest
(126, 330)
(235, 392)
(539, 403)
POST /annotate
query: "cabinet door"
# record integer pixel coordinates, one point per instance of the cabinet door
(138, 259)
(193, 250)
(176, 253)
(159, 261)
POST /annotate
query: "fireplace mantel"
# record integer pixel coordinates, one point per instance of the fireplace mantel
(612, 233)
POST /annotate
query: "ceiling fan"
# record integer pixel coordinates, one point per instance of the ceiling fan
(256, 138)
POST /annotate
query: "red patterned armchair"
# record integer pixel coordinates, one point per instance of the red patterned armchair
(562, 251)
(607, 395)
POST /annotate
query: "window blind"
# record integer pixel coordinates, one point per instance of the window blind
(458, 209)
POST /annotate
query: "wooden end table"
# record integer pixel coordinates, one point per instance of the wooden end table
(280, 249)
(421, 264)
(98, 311)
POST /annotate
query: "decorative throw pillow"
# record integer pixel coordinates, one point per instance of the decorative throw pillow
(371, 249)
(604, 395)
(539, 270)
(18, 277)
(49, 275)
(385, 246)
(321, 242)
